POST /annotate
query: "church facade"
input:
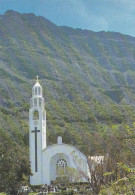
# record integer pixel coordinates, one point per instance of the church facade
(46, 161)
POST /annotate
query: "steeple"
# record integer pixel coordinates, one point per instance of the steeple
(37, 99)
(37, 89)
(37, 131)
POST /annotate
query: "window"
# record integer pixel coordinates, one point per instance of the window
(40, 102)
(36, 91)
(35, 102)
(39, 91)
(35, 115)
(61, 166)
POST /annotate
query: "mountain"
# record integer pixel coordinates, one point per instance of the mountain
(88, 77)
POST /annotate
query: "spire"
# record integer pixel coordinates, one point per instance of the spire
(37, 84)
(37, 89)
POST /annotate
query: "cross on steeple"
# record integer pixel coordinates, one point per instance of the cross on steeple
(37, 77)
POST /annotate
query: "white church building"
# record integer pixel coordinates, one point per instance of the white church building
(46, 160)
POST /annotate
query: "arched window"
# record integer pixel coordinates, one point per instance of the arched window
(61, 167)
(40, 102)
(39, 91)
(35, 115)
(36, 91)
(35, 102)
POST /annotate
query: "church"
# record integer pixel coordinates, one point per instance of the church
(47, 160)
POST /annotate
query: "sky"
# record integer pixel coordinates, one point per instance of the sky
(95, 15)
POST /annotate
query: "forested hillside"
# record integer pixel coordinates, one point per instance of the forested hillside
(88, 78)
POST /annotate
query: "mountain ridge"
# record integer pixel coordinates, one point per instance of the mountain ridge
(88, 77)
(106, 69)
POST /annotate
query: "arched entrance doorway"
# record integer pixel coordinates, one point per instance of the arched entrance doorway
(58, 161)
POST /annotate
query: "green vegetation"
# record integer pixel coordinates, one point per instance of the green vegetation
(125, 183)
(14, 165)
(88, 81)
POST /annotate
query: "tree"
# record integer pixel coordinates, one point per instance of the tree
(94, 174)
(116, 172)
(68, 175)
(124, 184)
(14, 165)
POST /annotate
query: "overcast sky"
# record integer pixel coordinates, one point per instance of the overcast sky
(96, 15)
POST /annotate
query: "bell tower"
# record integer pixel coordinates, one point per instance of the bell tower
(37, 133)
